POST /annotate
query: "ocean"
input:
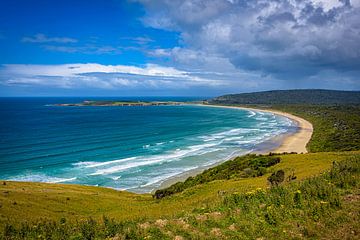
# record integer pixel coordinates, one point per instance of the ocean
(126, 148)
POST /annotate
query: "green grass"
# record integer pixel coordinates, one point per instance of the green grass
(313, 208)
(30, 201)
(240, 167)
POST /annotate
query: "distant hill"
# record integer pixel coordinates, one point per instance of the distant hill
(301, 96)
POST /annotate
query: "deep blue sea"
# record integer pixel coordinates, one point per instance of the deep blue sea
(132, 148)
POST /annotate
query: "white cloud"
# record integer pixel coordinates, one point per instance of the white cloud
(287, 40)
(328, 4)
(101, 76)
(42, 38)
(355, 3)
(87, 49)
(160, 52)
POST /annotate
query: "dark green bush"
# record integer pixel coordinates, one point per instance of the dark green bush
(241, 167)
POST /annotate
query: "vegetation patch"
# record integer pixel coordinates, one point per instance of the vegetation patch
(336, 128)
(315, 208)
(240, 167)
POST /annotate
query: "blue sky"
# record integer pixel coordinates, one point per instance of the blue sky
(182, 48)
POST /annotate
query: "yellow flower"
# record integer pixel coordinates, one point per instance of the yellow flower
(250, 193)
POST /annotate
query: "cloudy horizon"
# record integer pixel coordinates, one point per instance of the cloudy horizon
(179, 48)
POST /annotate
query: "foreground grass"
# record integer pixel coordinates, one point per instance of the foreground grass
(30, 201)
(318, 207)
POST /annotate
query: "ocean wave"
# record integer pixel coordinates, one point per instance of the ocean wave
(40, 178)
(150, 160)
(100, 164)
(261, 118)
(252, 113)
(227, 134)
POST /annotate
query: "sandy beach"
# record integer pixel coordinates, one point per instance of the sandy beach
(294, 142)
(290, 142)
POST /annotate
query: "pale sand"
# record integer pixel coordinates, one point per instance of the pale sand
(295, 142)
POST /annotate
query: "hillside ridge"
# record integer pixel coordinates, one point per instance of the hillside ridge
(294, 96)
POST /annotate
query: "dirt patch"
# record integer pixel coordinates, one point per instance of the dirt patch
(232, 227)
(352, 197)
(201, 218)
(215, 215)
(161, 223)
(182, 224)
(145, 225)
(216, 232)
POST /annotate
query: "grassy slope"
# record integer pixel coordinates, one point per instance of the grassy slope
(323, 207)
(30, 201)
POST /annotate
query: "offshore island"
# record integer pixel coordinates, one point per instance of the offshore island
(118, 104)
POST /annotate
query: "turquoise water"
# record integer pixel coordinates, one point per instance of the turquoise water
(127, 148)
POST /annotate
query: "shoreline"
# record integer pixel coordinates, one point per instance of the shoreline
(295, 142)
(288, 142)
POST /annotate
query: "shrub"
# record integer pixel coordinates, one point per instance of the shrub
(276, 178)
(240, 167)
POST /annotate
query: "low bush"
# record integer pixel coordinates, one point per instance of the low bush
(241, 167)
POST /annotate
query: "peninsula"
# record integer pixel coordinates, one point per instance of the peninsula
(118, 103)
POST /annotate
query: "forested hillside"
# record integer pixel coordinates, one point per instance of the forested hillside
(301, 96)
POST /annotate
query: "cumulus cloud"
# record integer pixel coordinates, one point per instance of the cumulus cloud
(42, 38)
(100, 76)
(287, 39)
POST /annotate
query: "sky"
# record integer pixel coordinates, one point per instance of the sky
(177, 48)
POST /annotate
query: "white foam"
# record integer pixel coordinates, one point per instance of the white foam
(143, 160)
(252, 113)
(64, 180)
(100, 164)
(80, 164)
(228, 133)
(41, 178)
(120, 168)
(261, 118)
